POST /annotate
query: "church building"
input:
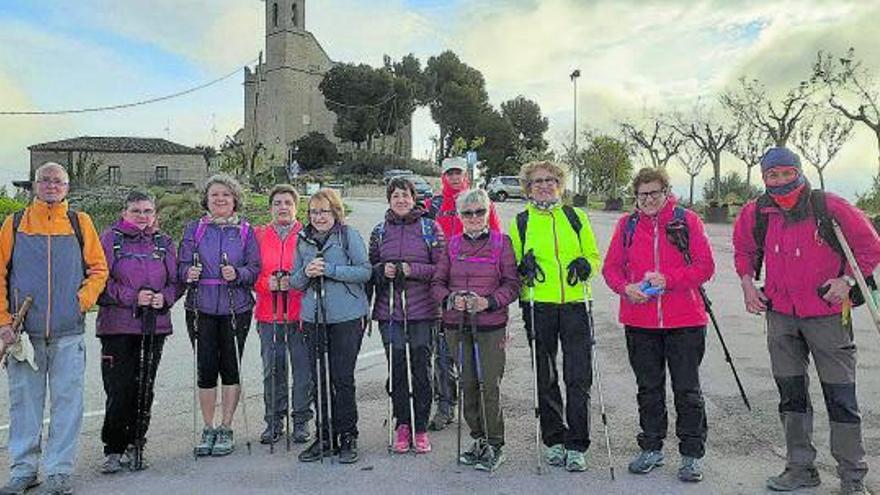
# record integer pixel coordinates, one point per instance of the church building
(282, 99)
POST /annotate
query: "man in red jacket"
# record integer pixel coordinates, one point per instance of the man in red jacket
(279, 333)
(806, 299)
(442, 210)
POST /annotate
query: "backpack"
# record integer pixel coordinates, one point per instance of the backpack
(496, 238)
(160, 248)
(632, 221)
(429, 233)
(434, 207)
(72, 217)
(522, 222)
(824, 226)
(244, 230)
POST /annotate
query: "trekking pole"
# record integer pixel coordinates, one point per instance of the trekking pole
(409, 381)
(857, 274)
(274, 370)
(234, 325)
(194, 290)
(288, 358)
(478, 371)
(708, 305)
(588, 303)
(458, 382)
(678, 235)
(533, 341)
(319, 375)
(148, 329)
(328, 381)
(390, 419)
(532, 273)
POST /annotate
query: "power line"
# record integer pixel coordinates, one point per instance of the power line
(128, 105)
(388, 98)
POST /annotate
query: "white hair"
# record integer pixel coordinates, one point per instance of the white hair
(472, 197)
(51, 165)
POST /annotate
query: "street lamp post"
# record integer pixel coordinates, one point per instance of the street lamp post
(574, 77)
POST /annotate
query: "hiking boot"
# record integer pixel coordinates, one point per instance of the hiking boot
(348, 449)
(204, 448)
(19, 484)
(853, 487)
(490, 460)
(401, 440)
(792, 479)
(111, 464)
(271, 434)
(691, 469)
(59, 484)
(423, 443)
(313, 452)
(555, 455)
(472, 455)
(441, 420)
(301, 432)
(575, 461)
(225, 443)
(646, 461)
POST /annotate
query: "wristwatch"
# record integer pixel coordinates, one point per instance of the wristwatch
(849, 280)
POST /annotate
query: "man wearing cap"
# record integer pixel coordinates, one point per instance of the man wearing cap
(806, 300)
(442, 210)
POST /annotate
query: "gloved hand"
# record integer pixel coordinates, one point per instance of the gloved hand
(578, 271)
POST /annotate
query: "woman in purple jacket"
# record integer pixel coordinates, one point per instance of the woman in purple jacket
(221, 278)
(133, 321)
(404, 249)
(474, 283)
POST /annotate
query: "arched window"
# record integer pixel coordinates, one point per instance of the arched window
(275, 14)
(293, 17)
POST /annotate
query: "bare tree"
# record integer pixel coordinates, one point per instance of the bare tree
(750, 147)
(661, 141)
(712, 136)
(692, 159)
(853, 90)
(752, 106)
(820, 138)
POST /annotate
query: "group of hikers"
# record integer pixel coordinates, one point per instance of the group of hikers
(438, 278)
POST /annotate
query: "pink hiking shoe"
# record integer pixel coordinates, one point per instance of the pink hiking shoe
(423, 443)
(401, 441)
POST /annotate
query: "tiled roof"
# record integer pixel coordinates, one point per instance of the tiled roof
(117, 145)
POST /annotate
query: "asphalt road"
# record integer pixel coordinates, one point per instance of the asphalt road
(743, 448)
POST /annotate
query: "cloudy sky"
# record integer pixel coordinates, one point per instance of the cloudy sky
(633, 55)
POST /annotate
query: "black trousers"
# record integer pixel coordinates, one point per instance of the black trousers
(420, 334)
(566, 324)
(651, 351)
(121, 365)
(445, 374)
(216, 341)
(343, 345)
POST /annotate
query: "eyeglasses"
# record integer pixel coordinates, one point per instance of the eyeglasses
(657, 194)
(472, 213)
(544, 180)
(146, 212)
(317, 212)
(52, 182)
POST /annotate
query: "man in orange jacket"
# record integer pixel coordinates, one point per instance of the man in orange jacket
(54, 255)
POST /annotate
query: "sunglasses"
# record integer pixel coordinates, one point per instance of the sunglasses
(472, 213)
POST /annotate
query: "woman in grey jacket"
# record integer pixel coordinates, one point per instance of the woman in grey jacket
(331, 267)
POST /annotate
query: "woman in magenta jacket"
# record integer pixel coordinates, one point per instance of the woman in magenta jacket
(662, 311)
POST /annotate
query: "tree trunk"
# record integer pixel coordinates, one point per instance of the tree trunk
(691, 199)
(716, 170)
(877, 134)
(749, 177)
(821, 178)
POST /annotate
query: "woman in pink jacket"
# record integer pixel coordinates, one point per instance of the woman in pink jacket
(664, 317)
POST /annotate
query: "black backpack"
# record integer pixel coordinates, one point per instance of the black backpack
(522, 222)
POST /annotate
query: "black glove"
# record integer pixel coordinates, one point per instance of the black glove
(579, 270)
(529, 270)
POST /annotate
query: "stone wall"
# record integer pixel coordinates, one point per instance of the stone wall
(134, 168)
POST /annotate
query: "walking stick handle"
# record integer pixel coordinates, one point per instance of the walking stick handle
(857, 274)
